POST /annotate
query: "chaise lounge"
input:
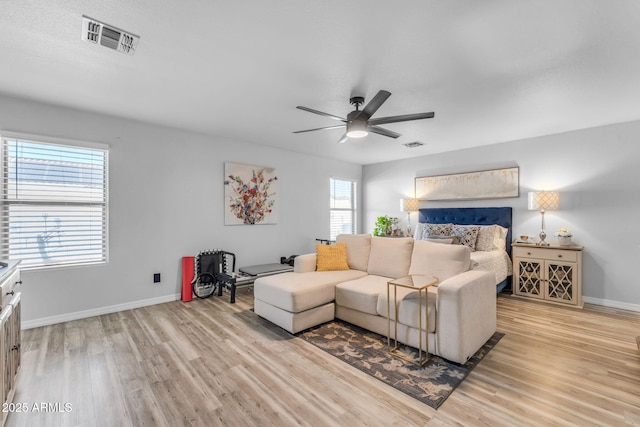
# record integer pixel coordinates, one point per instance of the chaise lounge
(461, 309)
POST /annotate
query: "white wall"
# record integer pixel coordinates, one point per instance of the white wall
(166, 196)
(597, 172)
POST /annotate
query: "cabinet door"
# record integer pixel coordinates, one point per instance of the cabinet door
(9, 287)
(561, 282)
(5, 356)
(529, 275)
(15, 332)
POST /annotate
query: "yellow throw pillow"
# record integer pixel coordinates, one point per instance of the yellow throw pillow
(331, 257)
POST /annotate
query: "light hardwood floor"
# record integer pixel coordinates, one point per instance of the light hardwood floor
(208, 363)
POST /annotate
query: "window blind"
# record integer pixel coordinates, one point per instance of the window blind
(342, 207)
(54, 204)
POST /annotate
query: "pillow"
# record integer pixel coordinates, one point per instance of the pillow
(440, 240)
(443, 230)
(487, 238)
(358, 248)
(421, 231)
(468, 235)
(500, 243)
(492, 238)
(455, 240)
(331, 257)
(390, 256)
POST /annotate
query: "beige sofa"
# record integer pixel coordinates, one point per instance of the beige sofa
(461, 309)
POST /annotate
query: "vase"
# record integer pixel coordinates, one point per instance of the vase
(564, 241)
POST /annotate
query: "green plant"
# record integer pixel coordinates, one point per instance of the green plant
(383, 226)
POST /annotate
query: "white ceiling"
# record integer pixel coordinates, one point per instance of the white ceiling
(491, 70)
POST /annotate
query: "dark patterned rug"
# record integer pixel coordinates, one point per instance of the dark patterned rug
(367, 351)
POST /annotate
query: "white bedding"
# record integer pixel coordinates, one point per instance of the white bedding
(497, 262)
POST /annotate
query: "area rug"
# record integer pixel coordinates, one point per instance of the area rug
(367, 351)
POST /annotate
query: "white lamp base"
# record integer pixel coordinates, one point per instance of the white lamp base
(542, 236)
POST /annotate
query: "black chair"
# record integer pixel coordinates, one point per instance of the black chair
(211, 269)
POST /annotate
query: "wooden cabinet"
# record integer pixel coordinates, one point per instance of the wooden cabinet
(548, 273)
(10, 298)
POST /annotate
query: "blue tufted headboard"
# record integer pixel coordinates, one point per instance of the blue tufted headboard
(467, 216)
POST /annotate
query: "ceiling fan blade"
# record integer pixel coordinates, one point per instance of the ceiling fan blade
(375, 103)
(324, 128)
(383, 131)
(311, 110)
(344, 139)
(404, 118)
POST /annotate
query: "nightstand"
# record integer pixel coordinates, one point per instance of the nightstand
(548, 273)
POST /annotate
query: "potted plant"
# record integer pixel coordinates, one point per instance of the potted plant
(564, 237)
(383, 226)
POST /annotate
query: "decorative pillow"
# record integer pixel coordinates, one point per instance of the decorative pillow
(492, 238)
(468, 235)
(421, 231)
(486, 238)
(455, 240)
(442, 230)
(500, 244)
(440, 240)
(331, 257)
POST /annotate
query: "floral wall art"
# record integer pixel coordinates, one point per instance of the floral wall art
(250, 194)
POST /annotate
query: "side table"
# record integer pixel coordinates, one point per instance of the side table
(419, 283)
(548, 273)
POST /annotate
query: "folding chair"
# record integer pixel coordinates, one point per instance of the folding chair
(210, 269)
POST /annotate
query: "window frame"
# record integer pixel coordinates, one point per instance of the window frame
(354, 204)
(6, 136)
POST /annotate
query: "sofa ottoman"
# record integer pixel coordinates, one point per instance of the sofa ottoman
(298, 301)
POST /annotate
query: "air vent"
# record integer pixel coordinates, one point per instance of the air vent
(108, 36)
(413, 144)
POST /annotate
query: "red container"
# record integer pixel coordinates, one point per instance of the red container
(187, 277)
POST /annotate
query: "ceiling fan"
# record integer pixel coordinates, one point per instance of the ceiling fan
(359, 122)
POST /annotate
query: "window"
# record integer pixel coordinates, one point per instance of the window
(342, 207)
(54, 203)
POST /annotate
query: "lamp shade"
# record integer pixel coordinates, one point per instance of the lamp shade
(357, 129)
(409, 205)
(544, 200)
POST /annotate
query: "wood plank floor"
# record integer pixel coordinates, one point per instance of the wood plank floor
(208, 363)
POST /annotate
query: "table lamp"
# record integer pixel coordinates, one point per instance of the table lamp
(408, 206)
(543, 201)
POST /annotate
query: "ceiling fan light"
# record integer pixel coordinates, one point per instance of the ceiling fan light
(357, 129)
(357, 133)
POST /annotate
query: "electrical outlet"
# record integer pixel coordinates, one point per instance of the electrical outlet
(156, 277)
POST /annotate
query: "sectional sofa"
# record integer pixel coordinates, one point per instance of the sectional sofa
(461, 309)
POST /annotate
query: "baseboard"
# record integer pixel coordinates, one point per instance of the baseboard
(45, 321)
(612, 304)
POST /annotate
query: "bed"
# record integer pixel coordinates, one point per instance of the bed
(496, 260)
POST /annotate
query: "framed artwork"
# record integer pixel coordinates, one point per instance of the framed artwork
(250, 194)
(489, 184)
